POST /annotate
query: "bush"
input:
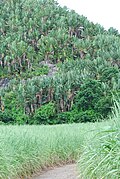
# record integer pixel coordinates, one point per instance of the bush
(108, 74)
(89, 94)
(104, 105)
(86, 116)
(92, 101)
(13, 112)
(77, 116)
(66, 117)
(45, 114)
(6, 117)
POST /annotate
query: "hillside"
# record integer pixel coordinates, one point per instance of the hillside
(55, 66)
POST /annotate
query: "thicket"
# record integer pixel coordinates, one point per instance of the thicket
(86, 56)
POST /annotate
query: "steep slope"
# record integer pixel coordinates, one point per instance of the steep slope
(86, 56)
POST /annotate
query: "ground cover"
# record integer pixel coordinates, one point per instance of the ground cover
(28, 149)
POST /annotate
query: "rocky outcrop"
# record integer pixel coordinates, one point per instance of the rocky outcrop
(4, 82)
(52, 70)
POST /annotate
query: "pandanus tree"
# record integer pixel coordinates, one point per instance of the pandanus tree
(106, 46)
(20, 33)
(60, 89)
(34, 31)
(45, 45)
(44, 34)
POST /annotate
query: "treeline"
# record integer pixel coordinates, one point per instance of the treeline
(87, 58)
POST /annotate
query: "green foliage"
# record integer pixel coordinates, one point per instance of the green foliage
(104, 105)
(32, 148)
(81, 50)
(108, 74)
(70, 89)
(32, 35)
(101, 156)
(88, 61)
(45, 114)
(66, 117)
(37, 71)
(89, 94)
(13, 113)
(113, 31)
(75, 116)
(93, 101)
(86, 116)
(26, 149)
(6, 117)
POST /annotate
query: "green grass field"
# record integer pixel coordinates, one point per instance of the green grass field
(25, 150)
(28, 149)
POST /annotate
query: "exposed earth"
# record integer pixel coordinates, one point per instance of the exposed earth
(64, 172)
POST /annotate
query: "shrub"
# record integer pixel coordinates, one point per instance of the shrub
(13, 112)
(104, 105)
(109, 73)
(66, 117)
(93, 100)
(45, 114)
(6, 117)
(86, 116)
(78, 116)
(90, 92)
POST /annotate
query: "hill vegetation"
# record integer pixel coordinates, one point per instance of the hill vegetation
(36, 33)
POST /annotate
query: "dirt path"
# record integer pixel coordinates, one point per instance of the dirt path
(64, 172)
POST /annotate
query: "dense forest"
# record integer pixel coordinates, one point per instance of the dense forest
(55, 66)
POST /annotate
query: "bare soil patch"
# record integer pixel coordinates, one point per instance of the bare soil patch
(64, 172)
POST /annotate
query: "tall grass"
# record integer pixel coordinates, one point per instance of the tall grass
(28, 149)
(25, 150)
(101, 157)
